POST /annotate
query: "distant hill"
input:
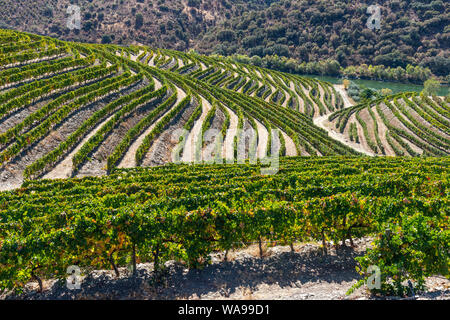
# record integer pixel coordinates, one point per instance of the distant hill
(412, 32)
(165, 23)
(415, 32)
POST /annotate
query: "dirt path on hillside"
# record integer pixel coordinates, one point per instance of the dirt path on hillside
(322, 122)
(263, 138)
(291, 150)
(192, 138)
(347, 100)
(228, 145)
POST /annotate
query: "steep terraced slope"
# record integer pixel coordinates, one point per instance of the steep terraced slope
(404, 124)
(70, 109)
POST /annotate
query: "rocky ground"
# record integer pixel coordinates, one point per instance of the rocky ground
(161, 151)
(305, 274)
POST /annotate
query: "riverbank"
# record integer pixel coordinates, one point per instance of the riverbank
(396, 87)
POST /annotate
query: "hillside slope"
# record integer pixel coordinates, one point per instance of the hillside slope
(73, 110)
(100, 113)
(70, 109)
(166, 23)
(412, 32)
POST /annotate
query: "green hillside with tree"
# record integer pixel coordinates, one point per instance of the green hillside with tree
(412, 34)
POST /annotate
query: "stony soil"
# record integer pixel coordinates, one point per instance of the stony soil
(11, 175)
(211, 134)
(305, 274)
(192, 138)
(161, 151)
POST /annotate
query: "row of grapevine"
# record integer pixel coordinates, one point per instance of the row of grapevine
(44, 127)
(188, 212)
(56, 154)
(138, 129)
(138, 99)
(415, 124)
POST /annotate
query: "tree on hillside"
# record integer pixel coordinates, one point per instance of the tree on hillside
(139, 21)
(346, 83)
(332, 67)
(106, 39)
(367, 94)
(431, 87)
(226, 35)
(353, 91)
(386, 92)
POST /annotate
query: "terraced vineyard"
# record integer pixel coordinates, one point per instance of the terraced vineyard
(76, 109)
(71, 110)
(409, 124)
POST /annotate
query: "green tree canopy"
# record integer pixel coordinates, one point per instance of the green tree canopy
(431, 87)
